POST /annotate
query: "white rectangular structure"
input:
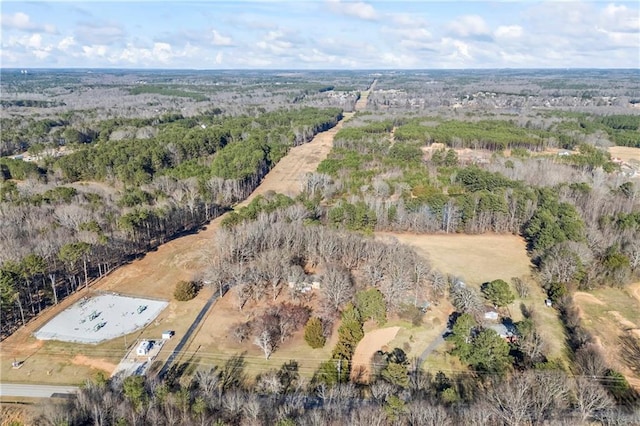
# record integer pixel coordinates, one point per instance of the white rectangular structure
(143, 348)
(100, 318)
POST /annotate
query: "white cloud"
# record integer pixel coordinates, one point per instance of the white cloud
(398, 60)
(416, 34)
(358, 9)
(275, 43)
(620, 18)
(162, 52)
(469, 26)
(219, 58)
(22, 22)
(620, 39)
(462, 48)
(159, 54)
(218, 39)
(316, 56)
(33, 41)
(95, 51)
(508, 31)
(66, 43)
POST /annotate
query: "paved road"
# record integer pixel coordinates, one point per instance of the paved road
(187, 335)
(433, 346)
(35, 391)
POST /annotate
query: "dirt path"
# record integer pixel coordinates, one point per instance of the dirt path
(634, 289)
(435, 344)
(288, 176)
(371, 342)
(587, 297)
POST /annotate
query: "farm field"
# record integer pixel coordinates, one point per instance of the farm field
(609, 313)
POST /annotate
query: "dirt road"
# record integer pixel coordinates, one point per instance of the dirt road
(156, 273)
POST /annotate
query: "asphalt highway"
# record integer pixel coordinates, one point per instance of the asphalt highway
(35, 391)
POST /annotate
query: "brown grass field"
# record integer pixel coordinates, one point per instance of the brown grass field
(609, 313)
(625, 153)
(474, 258)
(213, 344)
(153, 275)
(481, 258)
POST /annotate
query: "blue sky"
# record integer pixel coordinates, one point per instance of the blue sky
(320, 34)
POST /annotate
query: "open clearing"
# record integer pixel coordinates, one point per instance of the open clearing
(609, 313)
(625, 153)
(372, 342)
(100, 318)
(474, 258)
(153, 275)
(214, 344)
(288, 176)
(480, 258)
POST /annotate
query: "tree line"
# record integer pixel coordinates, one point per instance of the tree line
(224, 394)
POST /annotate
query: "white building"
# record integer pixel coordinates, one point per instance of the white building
(143, 348)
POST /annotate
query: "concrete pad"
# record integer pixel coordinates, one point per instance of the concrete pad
(100, 318)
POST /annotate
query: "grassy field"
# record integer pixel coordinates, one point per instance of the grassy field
(474, 258)
(213, 344)
(441, 360)
(608, 313)
(481, 258)
(625, 153)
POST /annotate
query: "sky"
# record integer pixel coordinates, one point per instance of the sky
(319, 34)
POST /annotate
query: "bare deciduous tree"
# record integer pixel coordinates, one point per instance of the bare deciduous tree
(522, 288)
(590, 360)
(466, 299)
(590, 397)
(265, 341)
(423, 413)
(336, 287)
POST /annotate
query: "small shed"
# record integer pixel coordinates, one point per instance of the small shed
(168, 334)
(491, 315)
(143, 348)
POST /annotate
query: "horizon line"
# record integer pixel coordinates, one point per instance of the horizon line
(320, 69)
